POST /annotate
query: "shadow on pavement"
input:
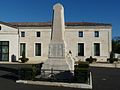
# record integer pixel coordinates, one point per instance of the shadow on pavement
(11, 73)
(9, 69)
(10, 76)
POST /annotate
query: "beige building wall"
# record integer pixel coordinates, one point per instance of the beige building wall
(30, 39)
(72, 40)
(10, 34)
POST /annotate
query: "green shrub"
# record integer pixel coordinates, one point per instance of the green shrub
(81, 75)
(23, 59)
(25, 74)
(28, 73)
(112, 60)
(90, 60)
(112, 55)
(81, 72)
(82, 65)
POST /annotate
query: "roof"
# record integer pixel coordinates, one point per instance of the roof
(86, 24)
(8, 24)
(49, 24)
(31, 24)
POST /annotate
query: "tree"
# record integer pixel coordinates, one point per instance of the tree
(116, 44)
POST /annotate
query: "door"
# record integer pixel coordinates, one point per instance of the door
(4, 50)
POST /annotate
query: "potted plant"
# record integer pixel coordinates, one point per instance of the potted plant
(112, 59)
(23, 59)
(91, 59)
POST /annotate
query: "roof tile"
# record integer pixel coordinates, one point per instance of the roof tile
(49, 24)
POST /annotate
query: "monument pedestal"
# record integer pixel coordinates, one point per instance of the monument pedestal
(57, 63)
(57, 50)
(57, 67)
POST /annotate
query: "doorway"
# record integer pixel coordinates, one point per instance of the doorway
(4, 50)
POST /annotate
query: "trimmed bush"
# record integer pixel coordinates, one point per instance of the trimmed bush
(82, 64)
(81, 75)
(112, 60)
(81, 72)
(23, 59)
(90, 60)
(28, 73)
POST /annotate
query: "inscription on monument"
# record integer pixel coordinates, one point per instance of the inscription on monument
(56, 50)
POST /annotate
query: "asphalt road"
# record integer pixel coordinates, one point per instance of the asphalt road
(106, 78)
(103, 79)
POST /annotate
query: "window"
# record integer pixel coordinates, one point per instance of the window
(96, 49)
(38, 34)
(80, 33)
(96, 33)
(80, 49)
(22, 48)
(37, 49)
(22, 34)
(4, 50)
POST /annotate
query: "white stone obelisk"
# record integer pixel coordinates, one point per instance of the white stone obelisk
(58, 23)
(57, 45)
(57, 61)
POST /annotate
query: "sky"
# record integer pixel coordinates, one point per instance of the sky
(100, 11)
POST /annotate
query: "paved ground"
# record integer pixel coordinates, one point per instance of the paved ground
(105, 64)
(106, 78)
(103, 79)
(8, 78)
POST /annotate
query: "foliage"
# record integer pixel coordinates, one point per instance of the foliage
(81, 64)
(81, 72)
(81, 75)
(23, 59)
(91, 59)
(28, 73)
(116, 44)
(112, 60)
(112, 55)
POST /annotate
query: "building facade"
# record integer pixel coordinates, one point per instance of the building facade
(82, 39)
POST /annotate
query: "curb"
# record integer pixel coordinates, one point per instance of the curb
(70, 85)
(114, 65)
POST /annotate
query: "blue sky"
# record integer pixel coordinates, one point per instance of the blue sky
(103, 11)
